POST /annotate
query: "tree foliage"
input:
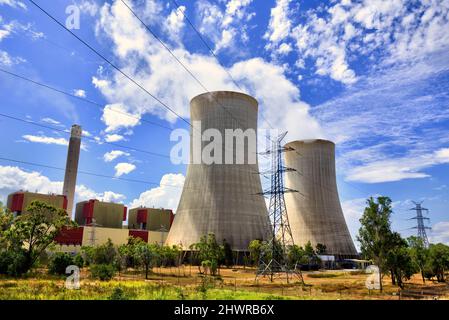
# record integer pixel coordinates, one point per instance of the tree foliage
(209, 254)
(31, 233)
(375, 232)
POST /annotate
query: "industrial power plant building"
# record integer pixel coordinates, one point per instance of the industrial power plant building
(104, 214)
(315, 212)
(223, 199)
(19, 201)
(150, 219)
(71, 240)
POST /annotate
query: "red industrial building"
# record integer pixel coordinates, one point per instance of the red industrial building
(19, 201)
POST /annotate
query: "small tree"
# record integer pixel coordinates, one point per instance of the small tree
(36, 229)
(375, 231)
(147, 256)
(419, 254)
(296, 255)
(208, 250)
(255, 248)
(398, 260)
(438, 261)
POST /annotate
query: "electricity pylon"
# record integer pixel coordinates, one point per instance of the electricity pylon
(274, 256)
(420, 222)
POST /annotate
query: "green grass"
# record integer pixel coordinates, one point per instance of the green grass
(325, 275)
(50, 289)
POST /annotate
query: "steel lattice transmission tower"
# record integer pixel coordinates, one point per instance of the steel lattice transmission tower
(274, 256)
(422, 234)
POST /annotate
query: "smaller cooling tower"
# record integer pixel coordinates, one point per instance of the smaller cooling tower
(315, 212)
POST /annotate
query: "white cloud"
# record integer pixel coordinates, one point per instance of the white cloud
(335, 34)
(279, 25)
(50, 121)
(279, 98)
(79, 93)
(440, 233)
(115, 118)
(378, 136)
(353, 211)
(89, 7)
(109, 196)
(7, 60)
(114, 154)
(166, 195)
(123, 168)
(113, 137)
(175, 23)
(46, 140)
(14, 4)
(398, 168)
(13, 179)
(225, 27)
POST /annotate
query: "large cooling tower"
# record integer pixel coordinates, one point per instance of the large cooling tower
(315, 212)
(221, 198)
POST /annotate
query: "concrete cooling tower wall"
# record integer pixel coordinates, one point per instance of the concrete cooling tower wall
(315, 213)
(221, 198)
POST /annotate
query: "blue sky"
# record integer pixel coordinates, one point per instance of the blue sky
(373, 76)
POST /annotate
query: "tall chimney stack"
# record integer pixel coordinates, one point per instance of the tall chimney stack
(71, 167)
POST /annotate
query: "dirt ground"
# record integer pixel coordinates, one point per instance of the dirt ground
(329, 284)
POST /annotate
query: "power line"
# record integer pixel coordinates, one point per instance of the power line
(205, 43)
(84, 136)
(212, 51)
(109, 62)
(88, 173)
(176, 58)
(114, 66)
(81, 98)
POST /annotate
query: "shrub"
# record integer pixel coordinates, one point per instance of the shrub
(102, 271)
(13, 263)
(78, 260)
(59, 262)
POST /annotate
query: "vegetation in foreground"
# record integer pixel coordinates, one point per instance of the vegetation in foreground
(24, 241)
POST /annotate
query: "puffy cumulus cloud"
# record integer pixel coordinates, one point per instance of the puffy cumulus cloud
(225, 26)
(335, 34)
(117, 116)
(175, 23)
(13, 179)
(123, 168)
(440, 233)
(114, 154)
(279, 98)
(109, 196)
(279, 25)
(46, 140)
(113, 138)
(166, 195)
